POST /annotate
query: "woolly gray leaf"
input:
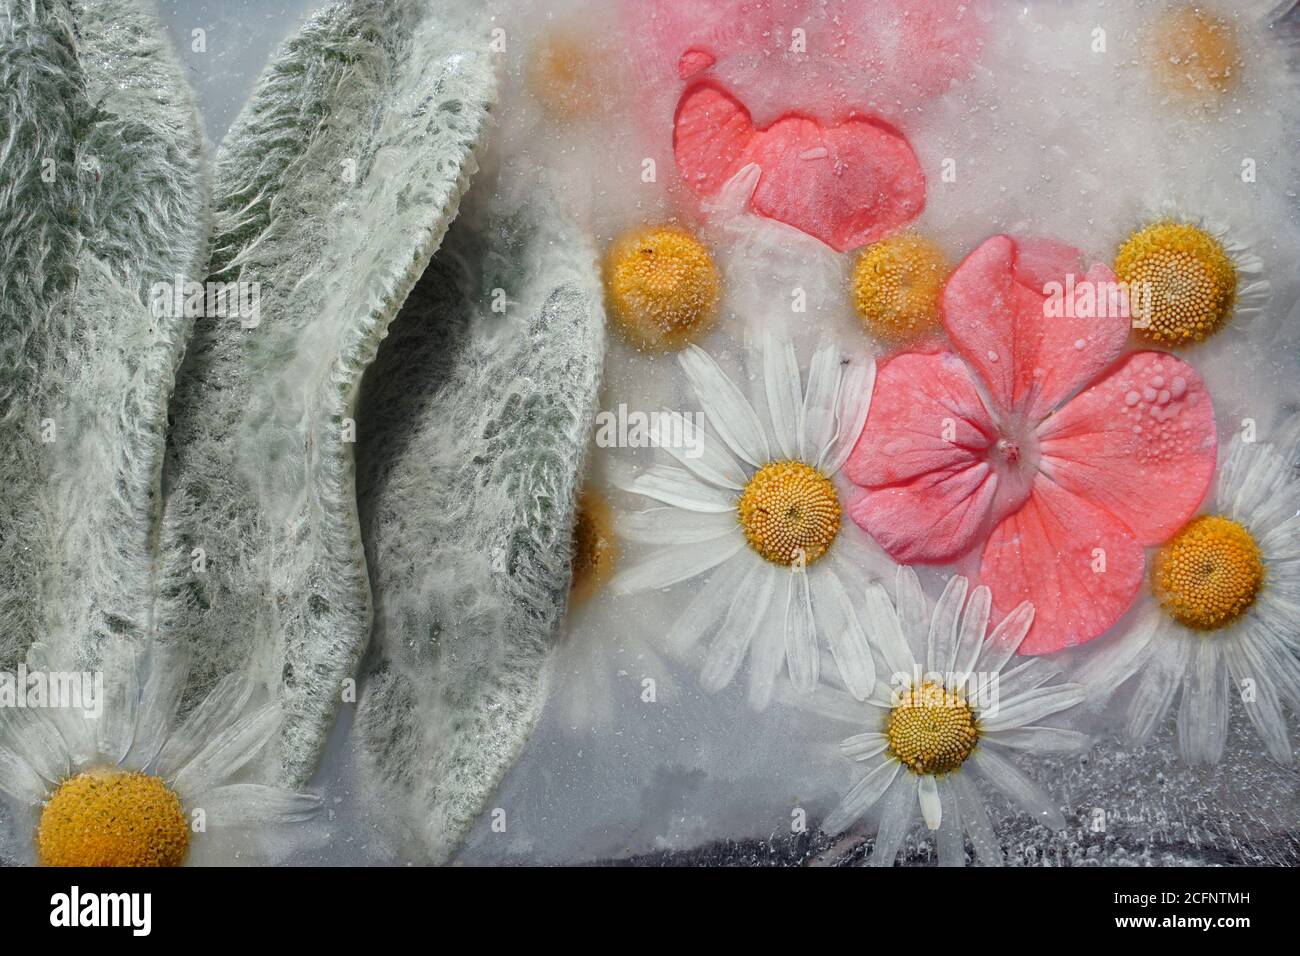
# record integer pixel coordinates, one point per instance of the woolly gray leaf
(475, 428)
(102, 195)
(332, 191)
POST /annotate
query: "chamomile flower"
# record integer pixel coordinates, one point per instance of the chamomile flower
(955, 705)
(126, 783)
(1227, 611)
(760, 503)
(1191, 275)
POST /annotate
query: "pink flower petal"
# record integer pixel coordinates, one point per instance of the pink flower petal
(996, 311)
(926, 415)
(1141, 443)
(932, 519)
(1078, 564)
(847, 184)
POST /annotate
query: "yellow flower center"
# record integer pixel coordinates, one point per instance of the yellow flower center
(594, 547)
(1209, 574)
(662, 287)
(896, 287)
(931, 730)
(1195, 55)
(562, 74)
(112, 818)
(1182, 276)
(790, 512)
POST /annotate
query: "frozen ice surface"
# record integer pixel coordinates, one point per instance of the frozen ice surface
(1047, 135)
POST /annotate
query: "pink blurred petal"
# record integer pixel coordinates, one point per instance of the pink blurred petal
(847, 184)
(1051, 552)
(1140, 443)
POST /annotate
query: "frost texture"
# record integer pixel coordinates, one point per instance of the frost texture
(332, 191)
(93, 98)
(475, 427)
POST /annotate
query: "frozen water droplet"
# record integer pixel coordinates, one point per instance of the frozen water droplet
(993, 356)
(1132, 398)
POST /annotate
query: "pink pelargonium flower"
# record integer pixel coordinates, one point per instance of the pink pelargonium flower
(1038, 439)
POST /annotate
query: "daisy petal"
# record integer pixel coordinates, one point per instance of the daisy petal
(784, 392)
(856, 386)
(36, 741)
(952, 846)
(861, 798)
(228, 751)
(251, 805)
(224, 703)
(1006, 639)
(748, 607)
(931, 807)
(726, 406)
(1022, 791)
(942, 643)
(159, 702)
(801, 656)
(679, 488)
(20, 782)
(975, 820)
(1157, 686)
(1141, 444)
(670, 566)
(1120, 658)
(887, 633)
(974, 628)
(1020, 711)
(706, 609)
(1265, 710)
(1041, 740)
(768, 654)
(913, 611)
(1078, 564)
(817, 418)
(848, 642)
(1203, 710)
(699, 453)
(672, 526)
(897, 809)
(864, 746)
(115, 728)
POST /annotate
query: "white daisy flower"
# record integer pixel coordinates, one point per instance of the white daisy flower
(124, 783)
(1227, 609)
(759, 503)
(955, 707)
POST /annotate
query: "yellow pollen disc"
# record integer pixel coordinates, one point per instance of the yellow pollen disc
(1195, 55)
(562, 74)
(662, 287)
(896, 287)
(1209, 574)
(1185, 278)
(931, 730)
(112, 818)
(790, 509)
(594, 548)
